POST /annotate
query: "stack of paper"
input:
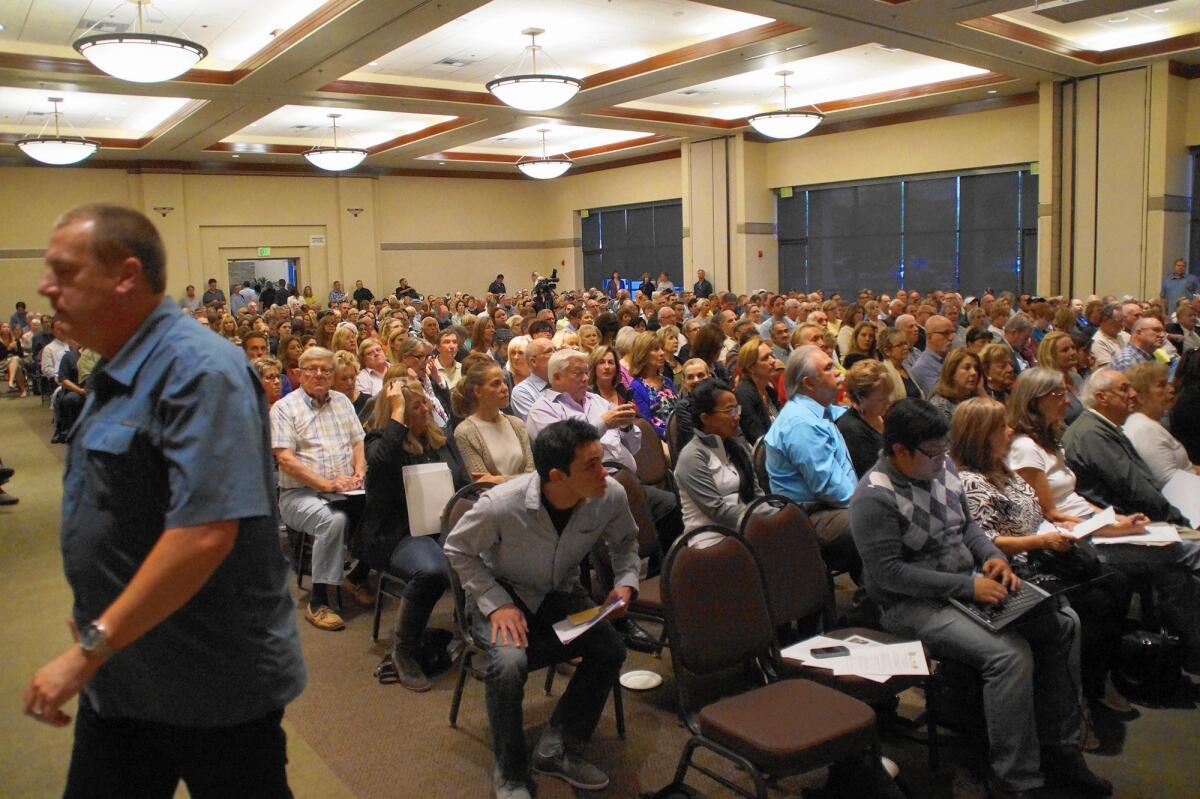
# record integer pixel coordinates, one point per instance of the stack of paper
(1183, 491)
(868, 659)
(1156, 535)
(579, 623)
(1085, 528)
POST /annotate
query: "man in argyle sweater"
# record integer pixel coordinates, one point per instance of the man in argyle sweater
(920, 548)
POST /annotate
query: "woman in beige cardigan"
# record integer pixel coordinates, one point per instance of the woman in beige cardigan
(893, 348)
(494, 445)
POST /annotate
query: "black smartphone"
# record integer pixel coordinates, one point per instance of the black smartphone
(830, 652)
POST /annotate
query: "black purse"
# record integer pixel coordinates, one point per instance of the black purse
(1078, 564)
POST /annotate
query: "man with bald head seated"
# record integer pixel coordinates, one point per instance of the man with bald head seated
(939, 336)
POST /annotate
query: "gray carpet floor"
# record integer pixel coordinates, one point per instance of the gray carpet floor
(351, 737)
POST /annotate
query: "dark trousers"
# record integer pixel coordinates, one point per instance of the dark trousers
(132, 759)
(421, 563)
(602, 652)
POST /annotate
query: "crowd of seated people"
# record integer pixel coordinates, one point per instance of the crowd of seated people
(853, 400)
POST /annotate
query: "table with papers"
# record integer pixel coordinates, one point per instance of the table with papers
(868, 659)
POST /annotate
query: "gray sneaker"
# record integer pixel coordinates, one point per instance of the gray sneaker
(569, 767)
(512, 790)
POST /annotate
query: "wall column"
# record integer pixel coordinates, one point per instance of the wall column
(755, 254)
(706, 211)
(1168, 202)
(1052, 279)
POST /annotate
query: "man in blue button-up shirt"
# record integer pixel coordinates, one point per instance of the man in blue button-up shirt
(807, 458)
(186, 647)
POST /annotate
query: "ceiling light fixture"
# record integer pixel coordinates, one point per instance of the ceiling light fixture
(546, 167)
(785, 123)
(534, 91)
(138, 56)
(335, 158)
(57, 149)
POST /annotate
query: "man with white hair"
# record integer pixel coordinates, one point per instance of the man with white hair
(568, 398)
(318, 444)
(1147, 335)
(807, 458)
(1110, 338)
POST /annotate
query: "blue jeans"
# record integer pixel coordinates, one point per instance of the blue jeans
(420, 562)
(1031, 687)
(602, 652)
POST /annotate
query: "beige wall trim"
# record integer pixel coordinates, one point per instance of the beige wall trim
(1169, 202)
(21, 254)
(1045, 209)
(686, 233)
(764, 228)
(548, 244)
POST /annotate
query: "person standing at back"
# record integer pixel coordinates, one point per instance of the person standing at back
(186, 650)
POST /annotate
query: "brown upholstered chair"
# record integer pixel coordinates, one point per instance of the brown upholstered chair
(672, 438)
(653, 467)
(758, 457)
(458, 505)
(719, 618)
(800, 593)
(648, 605)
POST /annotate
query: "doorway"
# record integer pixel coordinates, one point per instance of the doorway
(258, 272)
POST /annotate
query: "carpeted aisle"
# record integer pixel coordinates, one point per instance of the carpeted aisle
(351, 737)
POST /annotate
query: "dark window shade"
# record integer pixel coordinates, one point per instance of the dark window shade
(792, 225)
(793, 266)
(1029, 199)
(853, 237)
(988, 244)
(633, 240)
(930, 234)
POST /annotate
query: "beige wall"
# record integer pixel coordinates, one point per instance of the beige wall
(988, 138)
(1192, 137)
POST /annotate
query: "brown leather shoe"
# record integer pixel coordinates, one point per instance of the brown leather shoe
(323, 618)
(362, 594)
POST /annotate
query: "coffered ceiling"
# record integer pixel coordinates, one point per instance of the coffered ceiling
(408, 75)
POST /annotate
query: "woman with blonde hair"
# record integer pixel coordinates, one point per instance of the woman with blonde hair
(852, 316)
(755, 391)
(345, 339)
(653, 391)
(623, 344)
(415, 355)
(668, 337)
(1161, 451)
(869, 389)
(228, 328)
(960, 380)
(494, 445)
(403, 432)
(394, 340)
(862, 344)
(894, 348)
(589, 338)
(345, 376)
(1059, 351)
(1006, 508)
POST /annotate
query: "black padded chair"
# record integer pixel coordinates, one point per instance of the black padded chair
(758, 457)
(719, 616)
(653, 466)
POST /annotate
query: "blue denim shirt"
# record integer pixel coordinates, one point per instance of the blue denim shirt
(173, 434)
(807, 458)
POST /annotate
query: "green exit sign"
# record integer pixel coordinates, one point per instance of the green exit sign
(264, 250)
(785, 192)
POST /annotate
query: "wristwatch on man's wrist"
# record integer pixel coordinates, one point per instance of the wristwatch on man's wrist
(93, 639)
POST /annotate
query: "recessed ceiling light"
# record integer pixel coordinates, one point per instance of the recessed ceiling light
(441, 163)
(1156, 11)
(1116, 20)
(373, 64)
(991, 91)
(1, 26)
(108, 119)
(235, 155)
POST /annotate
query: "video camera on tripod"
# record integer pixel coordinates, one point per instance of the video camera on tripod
(543, 291)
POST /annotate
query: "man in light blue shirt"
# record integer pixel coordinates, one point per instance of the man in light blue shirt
(1178, 285)
(525, 393)
(807, 458)
(939, 336)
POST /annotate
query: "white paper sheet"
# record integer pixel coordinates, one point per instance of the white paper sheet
(1156, 535)
(579, 623)
(802, 651)
(906, 659)
(1183, 491)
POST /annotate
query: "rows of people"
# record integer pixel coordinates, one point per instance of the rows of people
(856, 406)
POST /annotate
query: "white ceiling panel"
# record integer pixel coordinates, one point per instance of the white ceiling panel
(103, 115)
(583, 36)
(1111, 31)
(856, 72)
(310, 125)
(232, 30)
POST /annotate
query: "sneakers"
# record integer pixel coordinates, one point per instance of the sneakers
(323, 618)
(554, 758)
(362, 594)
(512, 790)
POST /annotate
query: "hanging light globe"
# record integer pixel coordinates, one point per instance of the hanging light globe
(785, 124)
(138, 56)
(57, 150)
(534, 91)
(335, 158)
(546, 167)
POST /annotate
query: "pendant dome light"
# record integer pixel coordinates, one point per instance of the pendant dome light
(138, 56)
(335, 158)
(534, 91)
(785, 123)
(546, 167)
(58, 149)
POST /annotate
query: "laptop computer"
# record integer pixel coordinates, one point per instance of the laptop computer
(1015, 605)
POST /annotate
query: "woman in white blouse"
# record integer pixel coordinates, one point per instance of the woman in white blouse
(1161, 451)
(494, 446)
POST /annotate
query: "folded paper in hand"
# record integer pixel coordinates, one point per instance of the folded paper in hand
(579, 623)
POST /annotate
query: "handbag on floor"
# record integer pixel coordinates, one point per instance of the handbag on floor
(1149, 665)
